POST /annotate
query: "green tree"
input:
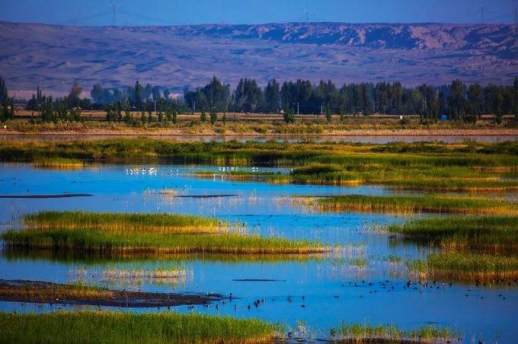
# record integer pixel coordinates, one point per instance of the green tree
(328, 114)
(248, 96)
(6, 104)
(272, 97)
(289, 117)
(217, 95)
(213, 118)
(457, 100)
(4, 94)
(138, 96)
(474, 105)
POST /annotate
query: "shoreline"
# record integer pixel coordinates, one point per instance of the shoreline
(67, 294)
(176, 133)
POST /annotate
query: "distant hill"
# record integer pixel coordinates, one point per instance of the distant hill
(187, 56)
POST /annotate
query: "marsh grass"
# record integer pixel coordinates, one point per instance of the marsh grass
(473, 249)
(484, 234)
(466, 267)
(103, 234)
(428, 167)
(416, 204)
(359, 334)
(127, 328)
(95, 258)
(58, 163)
(132, 276)
(152, 244)
(124, 222)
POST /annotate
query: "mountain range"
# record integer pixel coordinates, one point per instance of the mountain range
(53, 56)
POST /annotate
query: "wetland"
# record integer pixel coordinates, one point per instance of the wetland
(390, 242)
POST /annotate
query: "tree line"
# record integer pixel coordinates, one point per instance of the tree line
(458, 101)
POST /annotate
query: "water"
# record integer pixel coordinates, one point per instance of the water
(320, 292)
(292, 138)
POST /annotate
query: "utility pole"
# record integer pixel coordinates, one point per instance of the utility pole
(298, 109)
(482, 14)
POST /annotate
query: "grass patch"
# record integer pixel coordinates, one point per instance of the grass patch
(430, 167)
(97, 257)
(356, 333)
(58, 163)
(466, 267)
(108, 327)
(416, 204)
(57, 235)
(124, 222)
(484, 234)
(152, 244)
(474, 249)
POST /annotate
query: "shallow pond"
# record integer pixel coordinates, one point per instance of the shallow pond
(358, 283)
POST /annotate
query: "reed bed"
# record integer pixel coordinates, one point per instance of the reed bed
(416, 204)
(420, 177)
(473, 167)
(98, 257)
(151, 244)
(465, 267)
(132, 276)
(484, 233)
(58, 164)
(473, 249)
(127, 328)
(103, 234)
(359, 334)
(124, 222)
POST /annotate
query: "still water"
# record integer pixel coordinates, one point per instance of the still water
(359, 283)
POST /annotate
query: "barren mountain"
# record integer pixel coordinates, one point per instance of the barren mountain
(178, 56)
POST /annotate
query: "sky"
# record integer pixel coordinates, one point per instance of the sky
(177, 12)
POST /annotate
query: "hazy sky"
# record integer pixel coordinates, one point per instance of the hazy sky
(167, 12)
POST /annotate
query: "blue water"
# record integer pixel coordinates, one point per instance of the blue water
(322, 292)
